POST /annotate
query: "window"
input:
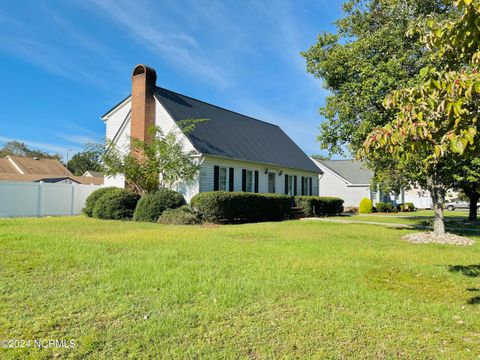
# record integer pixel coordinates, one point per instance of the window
(222, 179)
(249, 181)
(219, 178)
(291, 185)
(305, 185)
(271, 182)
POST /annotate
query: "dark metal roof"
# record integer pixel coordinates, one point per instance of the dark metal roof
(57, 179)
(232, 135)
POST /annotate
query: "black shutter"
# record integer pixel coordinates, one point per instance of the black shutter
(295, 185)
(286, 184)
(230, 180)
(256, 181)
(244, 180)
(216, 175)
(303, 186)
(310, 186)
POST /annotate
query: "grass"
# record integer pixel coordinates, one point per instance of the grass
(297, 289)
(453, 219)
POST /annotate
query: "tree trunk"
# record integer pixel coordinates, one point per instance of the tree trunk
(438, 198)
(472, 214)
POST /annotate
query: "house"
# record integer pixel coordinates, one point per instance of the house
(58, 180)
(91, 173)
(235, 152)
(351, 180)
(20, 168)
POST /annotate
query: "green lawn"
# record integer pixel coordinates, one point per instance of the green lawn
(453, 219)
(296, 289)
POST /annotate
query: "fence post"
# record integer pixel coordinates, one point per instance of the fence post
(40, 198)
(72, 199)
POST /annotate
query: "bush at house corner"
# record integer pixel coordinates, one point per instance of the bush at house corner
(319, 205)
(118, 204)
(231, 207)
(153, 204)
(93, 198)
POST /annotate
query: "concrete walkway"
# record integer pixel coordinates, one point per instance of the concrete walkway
(392, 225)
(341, 221)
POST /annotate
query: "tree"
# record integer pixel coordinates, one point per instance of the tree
(88, 159)
(150, 165)
(436, 120)
(467, 178)
(366, 59)
(16, 148)
(320, 157)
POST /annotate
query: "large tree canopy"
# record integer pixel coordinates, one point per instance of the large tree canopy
(367, 58)
(88, 159)
(437, 118)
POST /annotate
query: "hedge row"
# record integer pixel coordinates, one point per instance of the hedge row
(319, 205)
(165, 206)
(232, 207)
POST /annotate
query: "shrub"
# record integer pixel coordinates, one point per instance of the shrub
(366, 206)
(319, 205)
(153, 204)
(92, 199)
(409, 206)
(228, 207)
(179, 216)
(385, 207)
(380, 206)
(118, 204)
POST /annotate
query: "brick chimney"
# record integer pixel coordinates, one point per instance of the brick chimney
(143, 102)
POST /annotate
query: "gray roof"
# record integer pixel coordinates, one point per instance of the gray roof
(232, 135)
(355, 172)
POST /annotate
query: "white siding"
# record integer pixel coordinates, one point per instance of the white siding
(207, 166)
(167, 125)
(119, 129)
(333, 185)
(420, 198)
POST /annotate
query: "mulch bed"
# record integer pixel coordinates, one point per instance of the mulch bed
(430, 237)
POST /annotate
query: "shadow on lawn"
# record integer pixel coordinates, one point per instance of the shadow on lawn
(470, 271)
(467, 270)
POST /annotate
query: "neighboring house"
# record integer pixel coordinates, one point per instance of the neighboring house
(351, 180)
(235, 152)
(90, 173)
(58, 180)
(19, 168)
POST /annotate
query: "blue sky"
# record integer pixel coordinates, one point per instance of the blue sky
(64, 63)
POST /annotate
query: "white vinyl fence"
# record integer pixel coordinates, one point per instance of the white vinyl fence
(19, 198)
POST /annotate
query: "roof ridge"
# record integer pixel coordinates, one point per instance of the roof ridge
(338, 160)
(219, 107)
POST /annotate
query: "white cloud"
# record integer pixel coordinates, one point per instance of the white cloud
(177, 48)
